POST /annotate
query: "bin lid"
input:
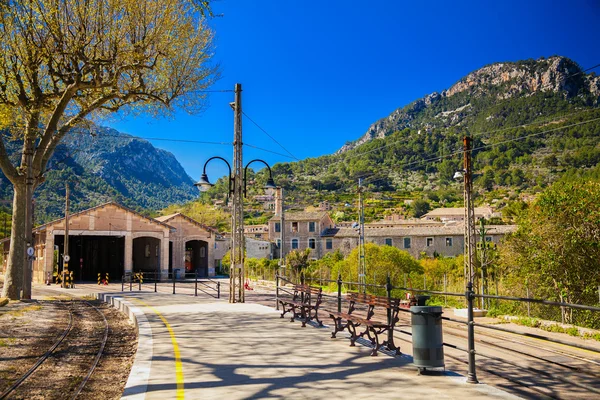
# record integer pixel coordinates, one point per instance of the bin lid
(430, 309)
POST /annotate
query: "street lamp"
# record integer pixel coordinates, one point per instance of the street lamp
(237, 222)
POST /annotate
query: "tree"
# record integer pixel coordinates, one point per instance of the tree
(381, 261)
(63, 63)
(298, 260)
(556, 248)
(420, 208)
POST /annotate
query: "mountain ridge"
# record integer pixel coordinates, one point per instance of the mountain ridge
(555, 74)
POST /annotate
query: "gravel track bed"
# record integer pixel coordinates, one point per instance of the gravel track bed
(34, 326)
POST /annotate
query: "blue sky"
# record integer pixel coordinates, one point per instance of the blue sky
(317, 74)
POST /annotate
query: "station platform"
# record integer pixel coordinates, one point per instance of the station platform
(205, 348)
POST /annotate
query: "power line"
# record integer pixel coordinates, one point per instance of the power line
(272, 138)
(268, 151)
(369, 179)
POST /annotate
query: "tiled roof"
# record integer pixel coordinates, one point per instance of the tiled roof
(110, 203)
(458, 211)
(301, 216)
(169, 217)
(454, 230)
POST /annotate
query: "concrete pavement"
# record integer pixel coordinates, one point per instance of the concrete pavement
(200, 347)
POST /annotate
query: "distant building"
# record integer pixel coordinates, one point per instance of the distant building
(258, 248)
(257, 231)
(458, 214)
(302, 230)
(324, 206)
(445, 240)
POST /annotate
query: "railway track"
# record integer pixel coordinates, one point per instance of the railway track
(75, 353)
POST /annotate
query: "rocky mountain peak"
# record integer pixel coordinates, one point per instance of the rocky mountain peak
(495, 82)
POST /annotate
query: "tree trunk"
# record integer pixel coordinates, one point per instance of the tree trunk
(13, 279)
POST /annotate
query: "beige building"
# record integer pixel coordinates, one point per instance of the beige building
(257, 231)
(458, 214)
(446, 241)
(190, 244)
(302, 230)
(116, 240)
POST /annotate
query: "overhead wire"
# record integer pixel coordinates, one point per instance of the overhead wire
(271, 137)
(368, 178)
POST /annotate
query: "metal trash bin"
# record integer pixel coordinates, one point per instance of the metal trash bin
(427, 338)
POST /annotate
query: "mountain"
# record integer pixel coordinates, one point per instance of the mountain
(532, 122)
(103, 165)
(466, 102)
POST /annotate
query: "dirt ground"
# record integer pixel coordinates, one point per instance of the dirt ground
(28, 329)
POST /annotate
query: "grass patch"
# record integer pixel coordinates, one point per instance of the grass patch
(20, 312)
(7, 342)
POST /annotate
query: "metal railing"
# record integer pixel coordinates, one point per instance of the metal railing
(469, 295)
(188, 281)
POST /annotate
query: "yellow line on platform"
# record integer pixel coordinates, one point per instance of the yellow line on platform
(178, 366)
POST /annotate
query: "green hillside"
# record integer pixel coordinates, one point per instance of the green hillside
(532, 122)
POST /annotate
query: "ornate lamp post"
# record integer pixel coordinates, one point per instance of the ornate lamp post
(236, 269)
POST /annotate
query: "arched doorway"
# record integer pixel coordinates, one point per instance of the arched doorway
(146, 254)
(196, 257)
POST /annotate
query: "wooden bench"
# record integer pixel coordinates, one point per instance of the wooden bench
(304, 304)
(373, 326)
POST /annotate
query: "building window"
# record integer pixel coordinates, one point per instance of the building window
(328, 244)
(257, 235)
(448, 242)
(429, 242)
(488, 238)
(294, 227)
(294, 243)
(311, 226)
(388, 242)
(277, 227)
(278, 243)
(407, 243)
(202, 252)
(312, 243)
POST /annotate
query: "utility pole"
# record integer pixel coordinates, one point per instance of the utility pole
(362, 267)
(236, 273)
(469, 255)
(281, 212)
(65, 270)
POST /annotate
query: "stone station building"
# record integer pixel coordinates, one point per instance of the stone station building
(114, 239)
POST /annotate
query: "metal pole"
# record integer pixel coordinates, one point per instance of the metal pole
(527, 294)
(155, 282)
(218, 290)
(472, 374)
(277, 291)
(469, 255)
(445, 290)
(362, 268)
(388, 288)
(196, 284)
(66, 241)
(282, 226)
(173, 275)
(339, 298)
(122, 283)
(236, 277)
